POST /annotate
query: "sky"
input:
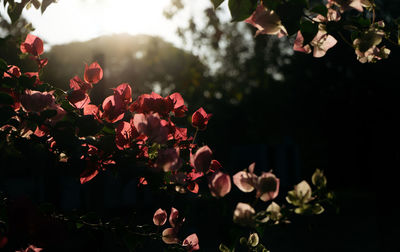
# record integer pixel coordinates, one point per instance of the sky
(81, 20)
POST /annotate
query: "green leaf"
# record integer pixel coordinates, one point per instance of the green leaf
(6, 99)
(320, 9)
(46, 3)
(241, 9)
(362, 22)
(308, 30)
(67, 106)
(29, 27)
(45, 87)
(14, 10)
(108, 129)
(224, 248)
(3, 65)
(217, 3)
(79, 225)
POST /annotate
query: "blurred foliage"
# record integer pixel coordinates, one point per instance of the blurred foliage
(147, 63)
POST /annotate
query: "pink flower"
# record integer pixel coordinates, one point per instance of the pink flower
(151, 126)
(191, 242)
(174, 219)
(160, 217)
(95, 161)
(322, 42)
(266, 185)
(170, 236)
(32, 45)
(200, 119)
(220, 184)
(114, 106)
(372, 54)
(77, 84)
(31, 248)
(91, 109)
(14, 70)
(243, 214)
(77, 96)
(266, 21)
(124, 93)
(244, 180)
(168, 159)
(215, 166)
(202, 159)
(125, 133)
(36, 101)
(348, 4)
(153, 103)
(179, 105)
(366, 45)
(93, 73)
(36, 75)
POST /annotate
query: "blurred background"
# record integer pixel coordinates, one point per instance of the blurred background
(286, 111)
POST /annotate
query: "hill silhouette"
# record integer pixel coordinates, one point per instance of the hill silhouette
(146, 62)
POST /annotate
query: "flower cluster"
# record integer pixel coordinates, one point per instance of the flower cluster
(170, 235)
(144, 125)
(318, 24)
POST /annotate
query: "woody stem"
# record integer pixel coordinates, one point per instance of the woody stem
(195, 135)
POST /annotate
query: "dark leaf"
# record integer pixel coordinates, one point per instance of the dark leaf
(14, 10)
(5, 114)
(26, 82)
(241, 9)
(8, 83)
(88, 126)
(35, 3)
(3, 66)
(6, 99)
(290, 14)
(308, 30)
(46, 3)
(320, 9)
(217, 3)
(48, 113)
(272, 4)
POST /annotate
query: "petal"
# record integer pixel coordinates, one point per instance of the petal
(202, 159)
(220, 184)
(192, 242)
(93, 73)
(169, 236)
(160, 217)
(244, 181)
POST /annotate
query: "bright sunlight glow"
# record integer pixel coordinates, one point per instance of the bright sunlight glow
(80, 20)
